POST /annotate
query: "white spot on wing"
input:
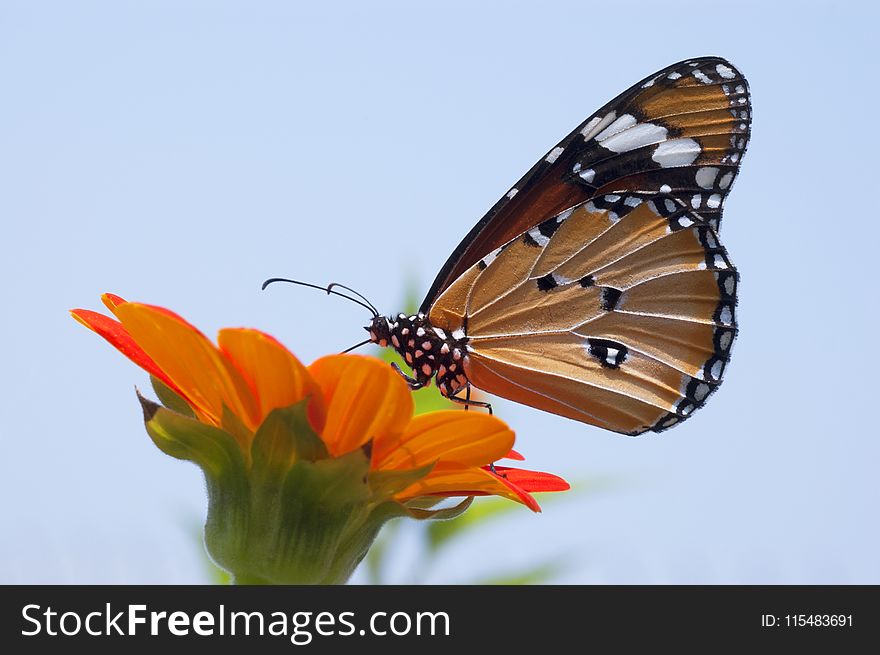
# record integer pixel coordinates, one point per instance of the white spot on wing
(512, 193)
(539, 238)
(588, 175)
(553, 155)
(702, 77)
(633, 137)
(488, 259)
(611, 357)
(701, 392)
(597, 123)
(706, 176)
(725, 71)
(618, 125)
(729, 285)
(678, 152)
(714, 201)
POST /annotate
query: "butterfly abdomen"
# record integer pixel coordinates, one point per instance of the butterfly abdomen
(428, 350)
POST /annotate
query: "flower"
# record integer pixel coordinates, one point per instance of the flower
(304, 463)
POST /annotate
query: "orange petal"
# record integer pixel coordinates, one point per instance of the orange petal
(120, 339)
(469, 438)
(514, 455)
(365, 400)
(191, 361)
(532, 481)
(279, 378)
(111, 301)
(449, 479)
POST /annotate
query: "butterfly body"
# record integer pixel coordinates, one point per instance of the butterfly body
(597, 288)
(430, 351)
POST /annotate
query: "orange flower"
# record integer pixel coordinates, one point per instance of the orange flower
(353, 402)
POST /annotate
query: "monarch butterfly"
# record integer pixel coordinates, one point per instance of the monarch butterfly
(597, 287)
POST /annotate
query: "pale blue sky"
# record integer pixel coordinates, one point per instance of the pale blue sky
(181, 152)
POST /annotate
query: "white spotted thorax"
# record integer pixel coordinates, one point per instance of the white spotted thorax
(428, 350)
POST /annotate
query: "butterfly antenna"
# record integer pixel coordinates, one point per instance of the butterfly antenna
(329, 289)
(357, 345)
(359, 295)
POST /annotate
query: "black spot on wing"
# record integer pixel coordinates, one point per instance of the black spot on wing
(617, 205)
(611, 354)
(610, 298)
(547, 282)
(548, 228)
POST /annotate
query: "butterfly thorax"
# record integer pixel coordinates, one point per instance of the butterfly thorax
(428, 350)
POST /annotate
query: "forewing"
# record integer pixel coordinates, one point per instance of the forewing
(682, 131)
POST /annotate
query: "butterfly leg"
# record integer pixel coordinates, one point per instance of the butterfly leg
(467, 402)
(414, 384)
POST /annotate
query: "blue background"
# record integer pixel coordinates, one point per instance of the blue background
(180, 152)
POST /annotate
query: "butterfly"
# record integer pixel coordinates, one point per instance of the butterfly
(597, 288)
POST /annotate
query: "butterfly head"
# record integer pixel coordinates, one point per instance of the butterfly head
(380, 330)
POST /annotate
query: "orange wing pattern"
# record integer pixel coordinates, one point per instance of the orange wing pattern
(619, 312)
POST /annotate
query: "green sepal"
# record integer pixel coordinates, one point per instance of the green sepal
(170, 398)
(331, 481)
(285, 436)
(230, 422)
(440, 533)
(310, 525)
(388, 483)
(424, 502)
(179, 436)
(440, 514)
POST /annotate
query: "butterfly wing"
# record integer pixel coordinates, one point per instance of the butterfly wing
(618, 312)
(682, 130)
